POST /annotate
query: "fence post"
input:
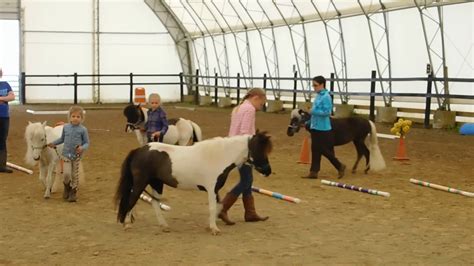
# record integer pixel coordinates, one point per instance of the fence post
(23, 88)
(428, 101)
(372, 96)
(265, 88)
(238, 88)
(131, 87)
(331, 88)
(216, 83)
(196, 92)
(75, 88)
(295, 87)
(181, 87)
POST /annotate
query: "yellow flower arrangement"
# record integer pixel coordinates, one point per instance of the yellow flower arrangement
(401, 127)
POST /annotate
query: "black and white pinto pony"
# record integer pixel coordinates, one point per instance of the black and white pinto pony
(203, 166)
(355, 129)
(37, 136)
(180, 131)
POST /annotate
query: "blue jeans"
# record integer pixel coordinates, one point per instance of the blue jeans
(4, 127)
(244, 187)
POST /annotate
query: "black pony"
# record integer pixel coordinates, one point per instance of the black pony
(355, 129)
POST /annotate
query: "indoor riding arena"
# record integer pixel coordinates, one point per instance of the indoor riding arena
(203, 58)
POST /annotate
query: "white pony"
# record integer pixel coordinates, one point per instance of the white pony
(37, 136)
(203, 166)
(180, 131)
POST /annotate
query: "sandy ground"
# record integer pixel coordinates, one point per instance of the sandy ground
(415, 225)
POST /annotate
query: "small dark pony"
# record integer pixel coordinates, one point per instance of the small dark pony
(180, 131)
(355, 129)
(203, 166)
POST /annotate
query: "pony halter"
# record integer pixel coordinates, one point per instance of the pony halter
(42, 147)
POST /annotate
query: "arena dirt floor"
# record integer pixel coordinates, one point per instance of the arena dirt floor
(416, 225)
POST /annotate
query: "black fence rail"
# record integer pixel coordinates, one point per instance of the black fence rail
(75, 84)
(192, 82)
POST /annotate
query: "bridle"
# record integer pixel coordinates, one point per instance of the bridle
(40, 147)
(136, 125)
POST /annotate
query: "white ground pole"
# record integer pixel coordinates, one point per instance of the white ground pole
(17, 167)
(440, 187)
(148, 199)
(33, 112)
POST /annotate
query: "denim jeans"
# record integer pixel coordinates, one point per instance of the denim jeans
(244, 187)
(4, 127)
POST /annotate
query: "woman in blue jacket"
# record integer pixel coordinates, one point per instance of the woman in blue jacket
(322, 135)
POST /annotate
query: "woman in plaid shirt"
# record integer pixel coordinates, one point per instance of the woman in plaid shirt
(243, 122)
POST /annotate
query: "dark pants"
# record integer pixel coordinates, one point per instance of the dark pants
(4, 127)
(244, 187)
(322, 143)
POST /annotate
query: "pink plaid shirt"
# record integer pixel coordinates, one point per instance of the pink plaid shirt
(243, 120)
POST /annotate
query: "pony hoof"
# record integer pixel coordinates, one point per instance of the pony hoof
(47, 197)
(166, 230)
(353, 171)
(215, 231)
(127, 227)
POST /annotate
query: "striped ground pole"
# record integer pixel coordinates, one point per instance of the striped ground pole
(276, 195)
(356, 188)
(440, 187)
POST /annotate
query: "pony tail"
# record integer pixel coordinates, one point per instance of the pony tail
(377, 162)
(124, 188)
(197, 133)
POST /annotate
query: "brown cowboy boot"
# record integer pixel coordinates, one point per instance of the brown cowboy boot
(250, 212)
(66, 191)
(72, 195)
(227, 202)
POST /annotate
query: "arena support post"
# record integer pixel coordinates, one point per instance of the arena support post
(196, 91)
(265, 88)
(238, 88)
(216, 84)
(23, 88)
(75, 88)
(331, 89)
(181, 86)
(428, 101)
(295, 87)
(372, 96)
(131, 87)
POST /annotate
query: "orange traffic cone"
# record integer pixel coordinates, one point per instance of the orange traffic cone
(304, 154)
(401, 151)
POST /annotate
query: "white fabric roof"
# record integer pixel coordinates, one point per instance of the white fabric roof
(203, 17)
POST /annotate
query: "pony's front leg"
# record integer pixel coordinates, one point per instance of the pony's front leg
(159, 215)
(212, 211)
(49, 180)
(43, 170)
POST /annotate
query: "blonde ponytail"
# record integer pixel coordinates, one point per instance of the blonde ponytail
(250, 93)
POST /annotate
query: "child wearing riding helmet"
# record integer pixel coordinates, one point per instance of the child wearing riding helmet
(76, 141)
(157, 124)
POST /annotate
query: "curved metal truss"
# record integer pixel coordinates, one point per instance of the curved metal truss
(379, 37)
(215, 19)
(337, 49)
(434, 40)
(300, 47)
